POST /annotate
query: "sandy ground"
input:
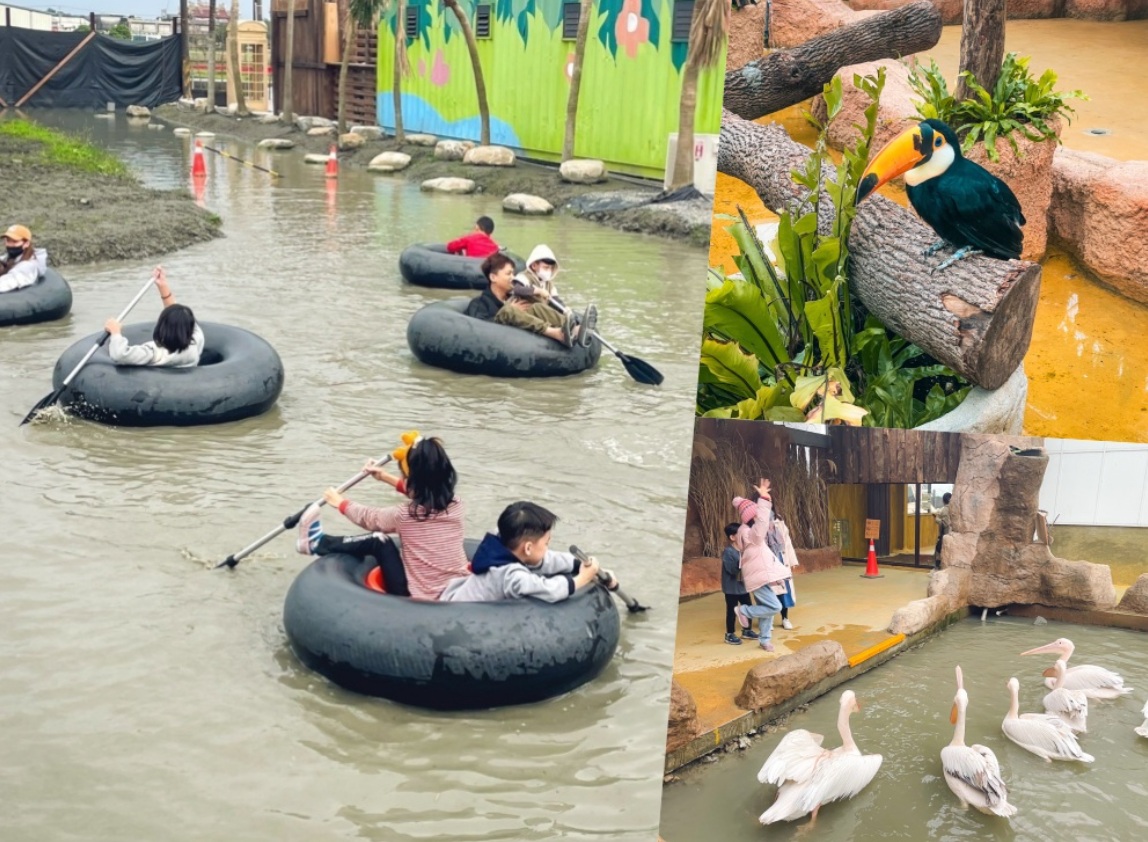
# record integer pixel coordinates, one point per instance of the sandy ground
(688, 220)
(82, 217)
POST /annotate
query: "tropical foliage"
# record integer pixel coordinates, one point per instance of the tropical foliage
(1017, 103)
(785, 341)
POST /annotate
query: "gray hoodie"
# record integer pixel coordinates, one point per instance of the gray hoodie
(551, 581)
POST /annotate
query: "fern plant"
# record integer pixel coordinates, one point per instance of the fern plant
(1017, 103)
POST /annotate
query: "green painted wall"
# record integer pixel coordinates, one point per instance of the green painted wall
(631, 81)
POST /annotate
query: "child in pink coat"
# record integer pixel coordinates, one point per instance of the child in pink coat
(760, 568)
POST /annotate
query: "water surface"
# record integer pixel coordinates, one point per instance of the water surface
(145, 696)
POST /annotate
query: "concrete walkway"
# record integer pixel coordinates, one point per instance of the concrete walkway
(834, 604)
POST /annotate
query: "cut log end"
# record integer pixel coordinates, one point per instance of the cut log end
(1011, 325)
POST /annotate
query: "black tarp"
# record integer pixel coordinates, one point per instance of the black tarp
(105, 70)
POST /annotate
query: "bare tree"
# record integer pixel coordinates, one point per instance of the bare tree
(479, 83)
(709, 28)
(584, 12)
(210, 57)
(982, 43)
(235, 80)
(360, 13)
(288, 112)
(402, 67)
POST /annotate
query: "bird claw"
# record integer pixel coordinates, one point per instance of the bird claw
(934, 248)
(961, 254)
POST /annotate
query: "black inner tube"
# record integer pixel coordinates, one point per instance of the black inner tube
(239, 375)
(445, 655)
(440, 334)
(47, 300)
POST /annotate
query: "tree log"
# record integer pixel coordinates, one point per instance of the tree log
(975, 316)
(786, 77)
(982, 44)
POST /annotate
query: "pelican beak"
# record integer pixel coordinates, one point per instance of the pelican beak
(953, 715)
(1040, 650)
(899, 156)
(1049, 673)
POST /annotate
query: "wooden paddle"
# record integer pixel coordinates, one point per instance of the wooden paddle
(55, 396)
(291, 521)
(632, 604)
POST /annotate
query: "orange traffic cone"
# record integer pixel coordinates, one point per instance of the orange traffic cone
(198, 183)
(198, 165)
(332, 164)
(871, 564)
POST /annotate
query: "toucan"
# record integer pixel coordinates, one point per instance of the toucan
(970, 208)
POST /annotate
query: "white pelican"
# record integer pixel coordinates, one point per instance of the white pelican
(1143, 729)
(1096, 682)
(1044, 734)
(972, 772)
(1069, 705)
(810, 776)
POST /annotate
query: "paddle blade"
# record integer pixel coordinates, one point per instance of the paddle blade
(641, 370)
(44, 403)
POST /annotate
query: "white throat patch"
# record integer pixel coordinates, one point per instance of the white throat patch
(940, 161)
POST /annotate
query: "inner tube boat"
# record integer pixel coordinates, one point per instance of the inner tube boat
(442, 335)
(431, 265)
(239, 376)
(47, 300)
(444, 655)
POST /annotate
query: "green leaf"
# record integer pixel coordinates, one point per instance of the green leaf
(738, 311)
(824, 320)
(730, 365)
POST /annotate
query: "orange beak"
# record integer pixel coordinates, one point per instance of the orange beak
(899, 156)
(1049, 673)
(953, 715)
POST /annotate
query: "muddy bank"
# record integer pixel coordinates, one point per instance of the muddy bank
(617, 203)
(84, 217)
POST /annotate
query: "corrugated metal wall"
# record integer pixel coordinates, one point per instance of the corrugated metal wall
(630, 84)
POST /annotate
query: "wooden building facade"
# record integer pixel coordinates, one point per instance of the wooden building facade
(827, 482)
(318, 52)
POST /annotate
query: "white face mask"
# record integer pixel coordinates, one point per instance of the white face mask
(545, 273)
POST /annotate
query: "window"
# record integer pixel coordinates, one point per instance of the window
(683, 14)
(571, 15)
(482, 21)
(411, 24)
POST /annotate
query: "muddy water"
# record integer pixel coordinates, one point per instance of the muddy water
(145, 696)
(1088, 377)
(904, 716)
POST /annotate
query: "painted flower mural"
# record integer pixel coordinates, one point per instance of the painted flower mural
(632, 30)
(440, 72)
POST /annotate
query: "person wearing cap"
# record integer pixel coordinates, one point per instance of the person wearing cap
(759, 567)
(177, 340)
(478, 243)
(21, 265)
